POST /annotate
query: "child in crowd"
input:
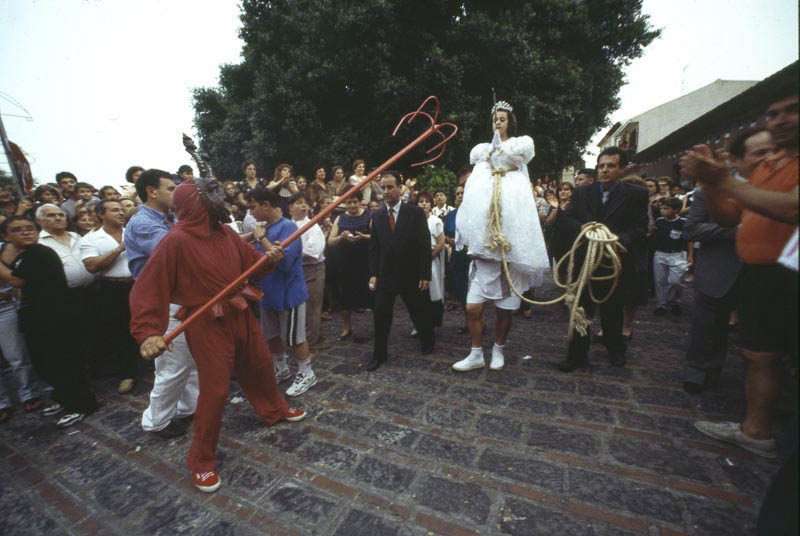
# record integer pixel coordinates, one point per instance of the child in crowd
(670, 258)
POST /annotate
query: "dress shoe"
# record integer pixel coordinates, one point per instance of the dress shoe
(171, 431)
(426, 350)
(571, 365)
(374, 364)
(618, 360)
(693, 388)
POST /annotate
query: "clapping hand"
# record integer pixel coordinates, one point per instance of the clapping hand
(700, 164)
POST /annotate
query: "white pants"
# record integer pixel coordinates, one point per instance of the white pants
(175, 387)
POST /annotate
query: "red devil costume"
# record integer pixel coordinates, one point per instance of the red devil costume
(191, 264)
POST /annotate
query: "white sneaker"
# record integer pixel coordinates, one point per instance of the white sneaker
(498, 359)
(471, 362)
(732, 433)
(53, 409)
(69, 419)
(282, 374)
(301, 384)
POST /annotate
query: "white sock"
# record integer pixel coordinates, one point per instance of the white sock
(305, 368)
(477, 352)
(280, 361)
(498, 348)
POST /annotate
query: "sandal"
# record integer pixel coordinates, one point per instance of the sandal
(33, 404)
(345, 336)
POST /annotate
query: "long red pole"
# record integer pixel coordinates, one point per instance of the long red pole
(236, 283)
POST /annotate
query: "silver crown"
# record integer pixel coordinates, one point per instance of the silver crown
(502, 105)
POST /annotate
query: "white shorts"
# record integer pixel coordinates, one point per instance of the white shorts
(488, 283)
(290, 325)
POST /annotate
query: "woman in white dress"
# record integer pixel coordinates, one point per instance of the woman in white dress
(436, 228)
(505, 159)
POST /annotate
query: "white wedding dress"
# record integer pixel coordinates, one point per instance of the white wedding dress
(528, 255)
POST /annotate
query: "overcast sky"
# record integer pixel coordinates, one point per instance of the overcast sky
(108, 83)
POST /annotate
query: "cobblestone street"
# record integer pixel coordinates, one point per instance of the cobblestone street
(415, 449)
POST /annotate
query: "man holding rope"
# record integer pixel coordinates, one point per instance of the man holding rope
(622, 207)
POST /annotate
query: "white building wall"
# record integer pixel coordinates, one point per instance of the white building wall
(661, 121)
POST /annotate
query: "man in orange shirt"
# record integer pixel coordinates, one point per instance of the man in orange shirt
(766, 211)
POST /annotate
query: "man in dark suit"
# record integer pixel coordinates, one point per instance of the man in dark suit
(716, 276)
(399, 263)
(622, 207)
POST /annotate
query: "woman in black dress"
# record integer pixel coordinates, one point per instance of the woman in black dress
(349, 238)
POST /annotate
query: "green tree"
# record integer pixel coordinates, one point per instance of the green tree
(434, 178)
(325, 81)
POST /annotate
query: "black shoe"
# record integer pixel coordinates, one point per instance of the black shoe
(618, 360)
(427, 350)
(693, 388)
(172, 430)
(676, 310)
(712, 378)
(597, 337)
(660, 311)
(345, 336)
(570, 365)
(185, 420)
(374, 364)
(627, 337)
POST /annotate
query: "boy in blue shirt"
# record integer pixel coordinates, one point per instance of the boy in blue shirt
(283, 307)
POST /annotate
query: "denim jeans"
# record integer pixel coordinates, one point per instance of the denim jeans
(15, 352)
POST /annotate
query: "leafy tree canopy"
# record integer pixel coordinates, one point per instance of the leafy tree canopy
(325, 81)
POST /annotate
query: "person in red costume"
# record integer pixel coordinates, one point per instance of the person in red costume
(194, 261)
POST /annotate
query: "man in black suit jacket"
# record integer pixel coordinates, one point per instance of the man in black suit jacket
(399, 263)
(622, 207)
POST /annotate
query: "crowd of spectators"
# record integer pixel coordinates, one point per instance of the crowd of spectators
(64, 247)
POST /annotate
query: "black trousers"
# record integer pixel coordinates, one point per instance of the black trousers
(611, 319)
(114, 326)
(60, 362)
(708, 339)
(418, 305)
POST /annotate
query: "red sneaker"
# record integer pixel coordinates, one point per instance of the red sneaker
(295, 414)
(208, 482)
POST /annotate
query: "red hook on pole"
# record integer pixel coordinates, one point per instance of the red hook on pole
(434, 128)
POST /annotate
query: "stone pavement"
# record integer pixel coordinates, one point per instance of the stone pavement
(414, 449)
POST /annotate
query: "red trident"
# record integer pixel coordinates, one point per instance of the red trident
(435, 128)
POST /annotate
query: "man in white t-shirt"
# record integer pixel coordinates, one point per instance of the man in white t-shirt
(103, 254)
(313, 266)
(65, 243)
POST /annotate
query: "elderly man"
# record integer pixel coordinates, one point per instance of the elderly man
(103, 253)
(54, 235)
(65, 243)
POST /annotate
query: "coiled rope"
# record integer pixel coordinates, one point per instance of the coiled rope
(602, 251)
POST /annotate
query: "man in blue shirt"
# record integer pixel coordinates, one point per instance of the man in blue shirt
(283, 307)
(175, 388)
